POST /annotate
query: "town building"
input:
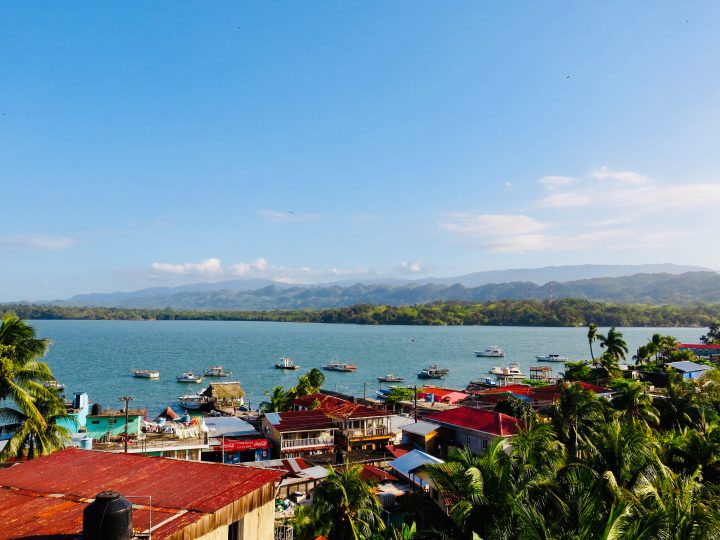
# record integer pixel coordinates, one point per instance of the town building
(171, 499)
(473, 428)
(299, 433)
(233, 440)
(701, 350)
(438, 394)
(423, 436)
(689, 370)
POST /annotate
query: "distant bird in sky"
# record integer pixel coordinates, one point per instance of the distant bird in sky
(567, 77)
(291, 212)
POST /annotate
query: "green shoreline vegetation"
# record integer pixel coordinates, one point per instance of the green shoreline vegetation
(565, 312)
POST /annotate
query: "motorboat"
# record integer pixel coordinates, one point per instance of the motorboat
(189, 377)
(495, 370)
(491, 352)
(54, 385)
(551, 358)
(512, 371)
(340, 366)
(390, 377)
(193, 401)
(443, 371)
(431, 373)
(286, 363)
(216, 371)
(146, 374)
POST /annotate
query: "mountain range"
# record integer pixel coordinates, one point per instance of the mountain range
(669, 284)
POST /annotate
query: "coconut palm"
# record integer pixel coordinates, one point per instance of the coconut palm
(614, 344)
(310, 383)
(278, 400)
(346, 505)
(592, 336)
(575, 417)
(633, 401)
(536, 454)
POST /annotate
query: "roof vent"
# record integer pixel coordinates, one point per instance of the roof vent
(108, 517)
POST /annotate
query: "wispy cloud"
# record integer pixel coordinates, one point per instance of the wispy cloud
(36, 242)
(491, 224)
(244, 269)
(288, 216)
(208, 267)
(556, 182)
(624, 177)
(411, 267)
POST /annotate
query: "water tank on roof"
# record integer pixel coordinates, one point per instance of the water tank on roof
(108, 517)
(96, 409)
(86, 443)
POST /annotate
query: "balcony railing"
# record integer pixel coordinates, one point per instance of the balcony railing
(369, 432)
(303, 443)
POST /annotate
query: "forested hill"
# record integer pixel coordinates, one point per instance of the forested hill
(639, 288)
(567, 312)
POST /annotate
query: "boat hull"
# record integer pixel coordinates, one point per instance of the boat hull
(280, 366)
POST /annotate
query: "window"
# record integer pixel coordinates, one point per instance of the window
(484, 444)
(94, 421)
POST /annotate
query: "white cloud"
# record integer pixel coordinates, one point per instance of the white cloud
(556, 182)
(288, 216)
(410, 267)
(244, 269)
(624, 177)
(570, 199)
(508, 185)
(208, 267)
(37, 242)
(492, 224)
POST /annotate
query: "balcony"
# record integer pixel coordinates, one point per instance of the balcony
(288, 444)
(378, 431)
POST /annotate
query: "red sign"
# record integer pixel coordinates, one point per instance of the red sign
(248, 444)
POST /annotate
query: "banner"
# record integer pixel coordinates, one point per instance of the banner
(247, 444)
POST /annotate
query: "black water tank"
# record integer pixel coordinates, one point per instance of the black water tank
(340, 456)
(108, 517)
(96, 409)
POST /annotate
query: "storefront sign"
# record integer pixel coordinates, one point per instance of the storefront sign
(248, 444)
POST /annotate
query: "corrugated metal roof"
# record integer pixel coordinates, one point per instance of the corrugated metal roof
(412, 461)
(477, 419)
(192, 489)
(303, 421)
(687, 367)
(420, 428)
(230, 426)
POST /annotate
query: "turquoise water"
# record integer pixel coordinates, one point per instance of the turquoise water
(98, 356)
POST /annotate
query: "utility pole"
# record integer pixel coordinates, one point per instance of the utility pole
(127, 400)
(364, 390)
(415, 401)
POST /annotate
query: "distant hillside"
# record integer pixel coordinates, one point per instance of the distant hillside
(639, 288)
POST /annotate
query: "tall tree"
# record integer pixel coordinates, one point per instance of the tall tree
(614, 343)
(278, 400)
(713, 335)
(592, 336)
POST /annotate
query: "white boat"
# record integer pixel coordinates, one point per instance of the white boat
(512, 371)
(189, 377)
(193, 401)
(216, 371)
(491, 352)
(551, 358)
(286, 363)
(146, 374)
(339, 366)
(54, 385)
(391, 377)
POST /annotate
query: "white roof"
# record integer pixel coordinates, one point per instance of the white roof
(397, 422)
(230, 426)
(686, 366)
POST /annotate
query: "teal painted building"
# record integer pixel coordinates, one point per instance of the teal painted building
(111, 423)
(77, 413)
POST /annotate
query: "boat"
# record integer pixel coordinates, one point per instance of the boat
(54, 385)
(146, 374)
(512, 371)
(390, 377)
(193, 401)
(442, 371)
(495, 370)
(431, 373)
(216, 371)
(189, 377)
(340, 366)
(491, 352)
(286, 363)
(551, 358)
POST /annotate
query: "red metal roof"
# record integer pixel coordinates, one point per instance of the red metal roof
(697, 346)
(303, 421)
(373, 474)
(447, 395)
(45, 497)
(338, 408)
(398, 450)
(478, 419)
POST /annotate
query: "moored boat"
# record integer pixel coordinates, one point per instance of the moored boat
(54, 385)
(391, 377)
(513, 370)
(491, 352)
(189, 377)
(551, 358)
(193, 401)
(216, 371)
(286, 363)
(432, 373)
(340, 366)
(146, 374)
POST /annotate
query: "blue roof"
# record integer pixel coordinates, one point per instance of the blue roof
(413, 460)
(686, 366)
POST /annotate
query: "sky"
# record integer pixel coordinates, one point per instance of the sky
(160, 143)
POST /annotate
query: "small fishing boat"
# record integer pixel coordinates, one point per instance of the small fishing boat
(491, 352)
(193, 401)
(146, 374)
(435, 367)
(431, 373)
(54, 385)
(340, 366)
(390, 377)
(551, 358)
(189, 377)
(286, 363)
(216, 371)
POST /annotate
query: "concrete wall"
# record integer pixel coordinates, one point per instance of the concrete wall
(103, 425)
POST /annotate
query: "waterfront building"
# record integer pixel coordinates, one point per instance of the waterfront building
(107, 424)
(701, 350)
(299, 433)
(171, 499)
(423, 436)
(689, 370)
(233, 440)
(438, 394)
(472, 428)
(76, 410)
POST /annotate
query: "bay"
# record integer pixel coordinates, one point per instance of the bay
(97, 356)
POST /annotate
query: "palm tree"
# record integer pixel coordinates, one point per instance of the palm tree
(614, 344)
(575, 417)
(536, 453)
(592, 336)
(310, 383)
(346, 505)
(633, 401)
(279, 400)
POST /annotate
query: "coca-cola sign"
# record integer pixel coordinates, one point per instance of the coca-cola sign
(247, 444)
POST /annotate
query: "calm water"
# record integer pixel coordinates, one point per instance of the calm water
(97, 356)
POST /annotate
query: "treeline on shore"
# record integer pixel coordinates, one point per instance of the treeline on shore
(565, 312)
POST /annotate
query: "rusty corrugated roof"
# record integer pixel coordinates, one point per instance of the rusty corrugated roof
(46, 496)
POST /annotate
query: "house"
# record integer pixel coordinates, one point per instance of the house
(689, 370)
(233, 440)
(76, 413)
(45, 497)
(299, 433)
(299, 476)
(107, 424)
(411, 468)
(359, 426)
(701, 350)
(228, 395)
(543, 395)
(439, 394)
(422, 435)
(473, 428)
(396, 423)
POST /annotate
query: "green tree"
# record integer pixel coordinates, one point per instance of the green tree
(278, 400)
(592, 336)
(614, 344)
(577, 371)
(713, 335)
(575, 418)
(631, 398)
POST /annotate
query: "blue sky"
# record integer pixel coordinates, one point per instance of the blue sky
(147, 144)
